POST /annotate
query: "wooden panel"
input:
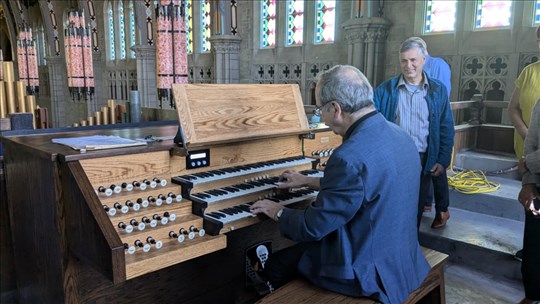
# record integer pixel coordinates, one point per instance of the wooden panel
(37, 223)
(496, 138)
(7, 269)
(126, 168)
(302, 292)
(240, 153)
(212, 113)
(173, 253)
(94, 241)
(465, 138)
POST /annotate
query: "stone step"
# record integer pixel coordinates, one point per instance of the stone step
(466, 285)
(501, 203)
(480, 241)
(502, 163)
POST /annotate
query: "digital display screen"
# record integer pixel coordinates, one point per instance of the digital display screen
(197, 155)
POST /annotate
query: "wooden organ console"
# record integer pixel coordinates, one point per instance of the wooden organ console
(160, 222)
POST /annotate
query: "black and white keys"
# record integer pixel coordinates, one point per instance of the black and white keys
(231, 214)
(224, 173)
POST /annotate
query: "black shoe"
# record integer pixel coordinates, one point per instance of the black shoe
(519, 255)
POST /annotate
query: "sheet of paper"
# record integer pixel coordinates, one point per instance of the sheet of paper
(97, 142)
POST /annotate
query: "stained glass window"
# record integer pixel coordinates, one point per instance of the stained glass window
(268, 23)
(493, 13)
(132, 37)
(324, 21)
(295, 22)
(440, 16)
(122, 30)
(205, 26)
(537, 12)
(110, 18)
(189, 26)
(42, 41)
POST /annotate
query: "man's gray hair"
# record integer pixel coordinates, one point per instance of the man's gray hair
(347, 86)
(414, 42)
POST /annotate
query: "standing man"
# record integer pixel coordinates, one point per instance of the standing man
(359, 237)
(435, 68)
(420, 106)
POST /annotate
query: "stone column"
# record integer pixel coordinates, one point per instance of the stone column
(146, 75)
(367, 39)
(226, 51)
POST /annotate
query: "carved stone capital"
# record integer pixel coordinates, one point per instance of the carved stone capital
(366, 29)
(225, 44)
(144, 51)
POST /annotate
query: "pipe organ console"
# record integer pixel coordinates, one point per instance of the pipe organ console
(168, 221)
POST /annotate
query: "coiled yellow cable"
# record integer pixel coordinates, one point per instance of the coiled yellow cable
(470, 181)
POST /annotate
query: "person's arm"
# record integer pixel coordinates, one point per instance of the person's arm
(514, 111)
(532, 151)
(288, 179)
(446, 132)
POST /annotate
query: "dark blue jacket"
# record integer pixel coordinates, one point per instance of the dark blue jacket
(362, 226)
(441, 122)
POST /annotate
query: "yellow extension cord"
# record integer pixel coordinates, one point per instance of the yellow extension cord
(470, 181)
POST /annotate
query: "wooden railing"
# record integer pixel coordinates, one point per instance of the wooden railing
(482, 125)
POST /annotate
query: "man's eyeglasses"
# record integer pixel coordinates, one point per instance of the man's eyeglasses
(318, 109)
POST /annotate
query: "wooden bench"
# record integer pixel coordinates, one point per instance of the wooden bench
(300, 291)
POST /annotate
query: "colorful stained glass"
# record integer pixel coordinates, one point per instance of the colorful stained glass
(325, 19)
(132, 29)
(440, 16)
(295, 22)
(493, 13)
(268, 23)
(110, 19)
(205, 26)
(122, 30)
(189, 26)
(537, 12)
(27, 60)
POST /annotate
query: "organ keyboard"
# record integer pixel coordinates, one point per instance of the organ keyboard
(218, 218)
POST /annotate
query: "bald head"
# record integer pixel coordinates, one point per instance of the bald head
(345, 85)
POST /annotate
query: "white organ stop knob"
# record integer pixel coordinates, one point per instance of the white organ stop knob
(161, 182)
(115, 188)
(127, 228)
(170, 216)
(144, 203)
(127, 186)
(110, 211)
(129, 249)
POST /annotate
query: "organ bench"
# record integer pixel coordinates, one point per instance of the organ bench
(302, 292)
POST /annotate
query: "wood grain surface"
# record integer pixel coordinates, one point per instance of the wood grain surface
(217, 112)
